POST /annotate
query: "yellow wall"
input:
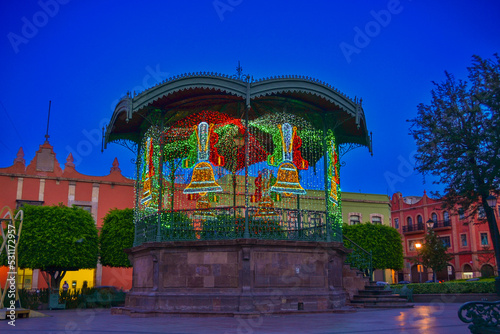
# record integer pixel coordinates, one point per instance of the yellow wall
(24, 278)
(79, 276)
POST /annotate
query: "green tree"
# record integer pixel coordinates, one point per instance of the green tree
(383, 241)
(117, 233)
(433, 254)
(458, 140)
(57, 239)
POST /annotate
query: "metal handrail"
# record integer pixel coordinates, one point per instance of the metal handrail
(360, 258)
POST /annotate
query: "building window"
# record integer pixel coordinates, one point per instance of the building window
(409, 221)
(446, 216)
(396, 223)
(419, 220)
(354, 220)
(480, 213)
(412, 243)
(484, 239)
(461, 213)
(463, 240)
(87, 208)
(377, 220)
(434, 217)
(446, 241)
(21, 203)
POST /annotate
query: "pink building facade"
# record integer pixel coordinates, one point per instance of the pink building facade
(468, 238)
(44, 182)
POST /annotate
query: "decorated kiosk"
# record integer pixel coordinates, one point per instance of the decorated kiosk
(238, 198)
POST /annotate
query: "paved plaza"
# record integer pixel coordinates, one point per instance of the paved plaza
(437, 317)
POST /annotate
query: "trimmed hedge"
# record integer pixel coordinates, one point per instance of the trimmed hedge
(438, 288)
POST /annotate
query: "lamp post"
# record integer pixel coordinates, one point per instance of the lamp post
(430, 226)
(492, 203)
(418, 245)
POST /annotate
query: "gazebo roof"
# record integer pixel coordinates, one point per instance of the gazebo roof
(319, 103)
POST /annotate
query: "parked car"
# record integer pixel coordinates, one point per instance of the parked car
(404, 282)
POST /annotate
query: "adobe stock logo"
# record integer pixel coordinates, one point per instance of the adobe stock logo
(93, 138)
(406, 168)
(30, 28)
(222, 6)
(372, 29)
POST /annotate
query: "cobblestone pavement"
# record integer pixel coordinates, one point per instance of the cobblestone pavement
(435, 317)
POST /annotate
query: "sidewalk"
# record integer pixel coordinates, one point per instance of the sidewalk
(437, 317)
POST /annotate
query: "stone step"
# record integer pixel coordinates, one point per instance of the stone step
(375, 293)
(379, 297)
(375, 287)
(361, 299)
(380, 302)
(405, 305)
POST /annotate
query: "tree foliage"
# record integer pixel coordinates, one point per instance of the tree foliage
(433, 254)
(383, 241)
(117, 233)
(458, 133)
(458, 139)
(55, 239)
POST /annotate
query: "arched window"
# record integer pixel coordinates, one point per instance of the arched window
(434, 217)
(408, 221)
(419, 220)
(467, 268)
(446, 216)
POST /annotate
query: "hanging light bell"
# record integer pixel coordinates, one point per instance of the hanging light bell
(266, 208)
(203, 178)
(266, 205)
(334, 175)
(287, 180)
(203, 208)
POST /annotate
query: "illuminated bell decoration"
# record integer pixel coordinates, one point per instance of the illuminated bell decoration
(334, 177)
(203, 178)
(288, 176)
(148, 173)
(266, 204)
(146, 194)
(266, 208)
(203, 207)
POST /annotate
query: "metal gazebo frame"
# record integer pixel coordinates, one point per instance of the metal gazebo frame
(240, 97)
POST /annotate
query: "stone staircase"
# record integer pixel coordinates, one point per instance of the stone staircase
(375, 296)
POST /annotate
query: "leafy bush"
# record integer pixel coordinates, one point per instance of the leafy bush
(117, 233)
(451, 287)
(383, 241)
(30, 299)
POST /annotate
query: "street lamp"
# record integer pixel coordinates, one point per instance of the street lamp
(420, 268)
(492, 203)
(430, 224)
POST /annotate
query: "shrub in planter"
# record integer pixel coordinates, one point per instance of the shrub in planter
(451, 288)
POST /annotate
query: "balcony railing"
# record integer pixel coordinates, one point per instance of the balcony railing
(413, 228)
(442, 224)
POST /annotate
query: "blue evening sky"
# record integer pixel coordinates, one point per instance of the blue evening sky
(85, 55)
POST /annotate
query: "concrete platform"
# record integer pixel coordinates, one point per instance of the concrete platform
(436, 317)
(18, 313)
